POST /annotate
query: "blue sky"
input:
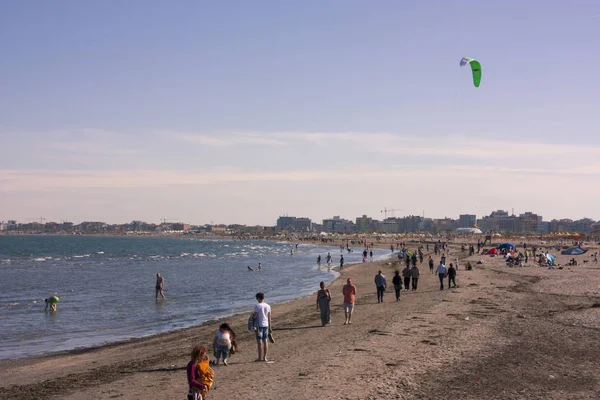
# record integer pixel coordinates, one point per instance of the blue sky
(239, 111)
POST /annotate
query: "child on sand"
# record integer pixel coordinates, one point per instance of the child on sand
(199, 374)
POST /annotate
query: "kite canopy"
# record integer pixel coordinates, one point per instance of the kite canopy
(551, 258)
(573, 251)
(492, 251)
(475, 67)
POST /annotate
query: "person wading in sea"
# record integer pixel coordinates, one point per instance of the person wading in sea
(160, 285)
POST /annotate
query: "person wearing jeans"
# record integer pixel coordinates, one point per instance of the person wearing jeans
(441, 271)
(397, 281)
(381, 283)
(415, 276)
(262, 316)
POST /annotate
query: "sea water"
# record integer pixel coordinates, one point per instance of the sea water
(106, 285)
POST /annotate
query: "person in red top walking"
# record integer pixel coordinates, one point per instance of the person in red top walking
(349, 292)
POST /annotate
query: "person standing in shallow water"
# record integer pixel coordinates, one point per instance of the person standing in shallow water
(397, 281)
(160, 285)
(323, 304)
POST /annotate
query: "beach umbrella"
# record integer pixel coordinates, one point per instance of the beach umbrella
(573, 251)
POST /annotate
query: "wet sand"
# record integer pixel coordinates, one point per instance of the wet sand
(504, 333)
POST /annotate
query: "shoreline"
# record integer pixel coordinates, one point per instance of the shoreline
(413, 349)
(135, 339)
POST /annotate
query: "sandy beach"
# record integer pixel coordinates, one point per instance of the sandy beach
(504, 333)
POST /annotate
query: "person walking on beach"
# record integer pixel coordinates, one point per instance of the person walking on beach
(51, 302)
(371, 255)
(349, 292)
(319, 261)
(262, 316)
(259, 267)
(415, 276)
(328, 259)
(323, 302)
(381, 284)
(160, 285)
(341, 261)
(397, 281)
(441, 271)
(223, 343)
(430, 264)
(451, 276)
(407, 274)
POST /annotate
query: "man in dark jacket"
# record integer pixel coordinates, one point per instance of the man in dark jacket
(407, 274)
(415, 277)
(451, 276)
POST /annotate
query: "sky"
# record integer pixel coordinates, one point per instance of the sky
(239, 112)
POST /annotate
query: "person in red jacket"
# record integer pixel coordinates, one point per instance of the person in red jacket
(199, 353)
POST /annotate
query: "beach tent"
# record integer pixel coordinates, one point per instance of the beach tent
(573, 251)
(508, 246)
(551, 258)
(492, 251)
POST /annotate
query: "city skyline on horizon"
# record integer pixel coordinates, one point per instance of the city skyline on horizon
(380, 217)
(234, 112)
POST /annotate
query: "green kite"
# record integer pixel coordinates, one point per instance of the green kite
(475, 66)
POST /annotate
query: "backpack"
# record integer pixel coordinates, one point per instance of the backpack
(251, 323)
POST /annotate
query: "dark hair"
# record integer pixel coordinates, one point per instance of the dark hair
(379, 271)
(397, 272)
(227, 328)
(199, 352)
(260, 296)
(451, 264)
(322, 284)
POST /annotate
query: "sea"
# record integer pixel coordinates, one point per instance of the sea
(106, 285)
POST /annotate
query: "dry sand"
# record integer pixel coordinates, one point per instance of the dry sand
(504, 333)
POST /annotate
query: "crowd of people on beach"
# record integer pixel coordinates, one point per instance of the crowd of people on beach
(260, 321)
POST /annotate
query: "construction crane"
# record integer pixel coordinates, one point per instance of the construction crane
(385, 211)
(41, 219)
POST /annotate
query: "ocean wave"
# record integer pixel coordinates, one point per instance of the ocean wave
(99, 252)
(40, 259)
(82, 256)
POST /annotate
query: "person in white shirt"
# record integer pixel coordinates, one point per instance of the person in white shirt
(441, 270)
(262, 316)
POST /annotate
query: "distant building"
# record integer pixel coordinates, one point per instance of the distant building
(179, 226)
(298, 224)
(366, 224)
(337, 224)
(467, 221)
